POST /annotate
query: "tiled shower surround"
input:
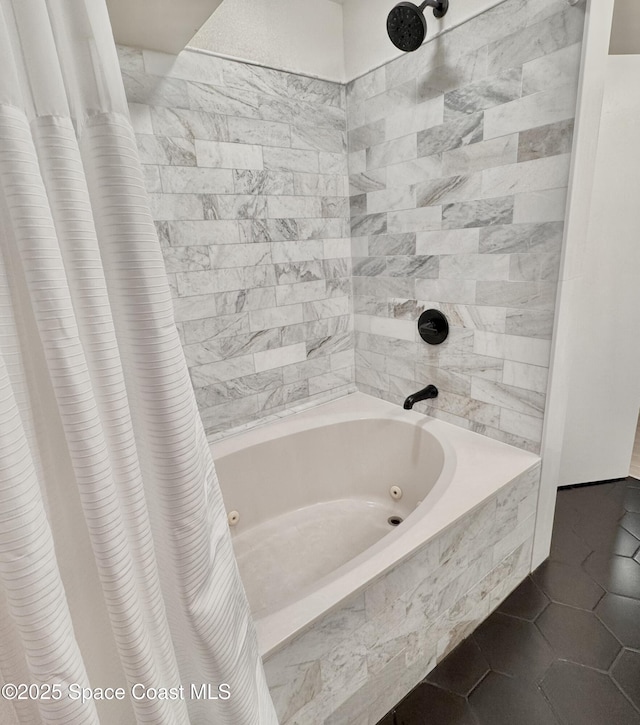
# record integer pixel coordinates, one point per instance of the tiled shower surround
(247, 173)
(458, 169)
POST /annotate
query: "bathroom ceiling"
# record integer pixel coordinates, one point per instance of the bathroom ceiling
(164, 25)
(625, 32)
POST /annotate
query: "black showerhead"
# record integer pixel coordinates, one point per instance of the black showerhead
(407, 26)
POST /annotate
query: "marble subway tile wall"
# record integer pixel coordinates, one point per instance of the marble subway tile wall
(459, 160)
(246, 169)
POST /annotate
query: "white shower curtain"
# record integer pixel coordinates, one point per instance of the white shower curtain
(116, 567)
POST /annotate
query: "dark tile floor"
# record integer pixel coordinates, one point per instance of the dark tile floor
(564, 648)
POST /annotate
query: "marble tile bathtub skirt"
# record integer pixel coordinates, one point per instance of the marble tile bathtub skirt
(459, 158)
(351, 666)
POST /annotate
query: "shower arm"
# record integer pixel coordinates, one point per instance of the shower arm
(439, 7)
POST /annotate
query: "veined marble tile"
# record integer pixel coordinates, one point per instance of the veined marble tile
(357, 161)
(473, 317)
(536, 295)
(223, 155)
(187, 65)
(281, 159)
(368, 85)
(337, 247)
(262, 182)
(192, 180)
(530, 323)
(335, 206)
(194, 308)
(368, 224)
(485, 212)
(223, 348)
(450, 135)
(239, 255)
(461, 291)
(318, 185)
(320, 309)
(224, 100)
(282, 252)
(560, 68)
(212, 373)
(140, 115)
(305, 370)
(275, 317)
(166, 151)
(330, 344)
(418, 266)
(293, 206)
(386, 327)
(182, 122)
(263, 133)
(331, 163)
(527, 349)
(520, 424)
(540, 206)
(278, 357)
(171, 207)
(390, 101)
(534, 267)
(367, 181)
(538, 109)
(186, 233)
(481, 155)
(367, 135)
(155, 91)
(240, 387)
(329, 381)
(521, 375)
(515, 399)
(415, 220)
(475, 266)
(489, 92)
(550, 140)
(152, 182)
(183, 259)
(489, 343)
(224, 280)
(522, 238)
(355, 114)
(537, 175)
(387, 244)
(332, 140)
(384, 154)
(468, 407)
(415, 118)
(549, 35)
(448, 189)
(244, 300)
(288, 294)
(292, 272)
(413, 172)
(455, 73)
(384, 345)
(391, 199)
(237, 206)
(220, 417)
(448, 241)
(285, 395)
(316, 90)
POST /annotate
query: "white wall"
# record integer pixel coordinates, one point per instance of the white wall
(604, 392)
(301, 36)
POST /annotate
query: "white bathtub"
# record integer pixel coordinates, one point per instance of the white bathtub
(313, 496)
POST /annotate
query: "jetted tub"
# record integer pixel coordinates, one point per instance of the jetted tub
(314, 497)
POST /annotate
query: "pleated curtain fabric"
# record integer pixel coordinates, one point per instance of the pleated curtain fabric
(116, 566)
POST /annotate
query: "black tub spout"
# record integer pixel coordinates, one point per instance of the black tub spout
(429, 392)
